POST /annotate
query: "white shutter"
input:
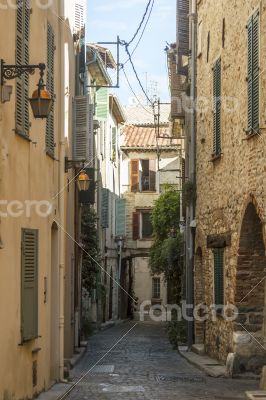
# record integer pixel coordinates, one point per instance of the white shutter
(79, 15)
(83, 137)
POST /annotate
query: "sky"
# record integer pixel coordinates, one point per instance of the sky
(107, 19)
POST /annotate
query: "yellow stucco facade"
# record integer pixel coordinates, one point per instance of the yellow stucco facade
(29, 174)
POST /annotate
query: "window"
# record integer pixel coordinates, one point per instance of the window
(22, 58)
(253, 73)
(218, 256)
(142, 225)
(156, 288)
(143, 175)
(146, 231)
(217, 108)
(29, 284)
(50, 86)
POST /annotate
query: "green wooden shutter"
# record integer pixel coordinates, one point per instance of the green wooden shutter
(83, 138)
(120, 217)
(22, 57)
(105, 208)
(217, 108)
(218, 255)
(253, 73)
(29, 284)
(50, 86)
(102, 104)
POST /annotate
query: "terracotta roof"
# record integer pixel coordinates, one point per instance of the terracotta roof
(145, 138)
(138, 115)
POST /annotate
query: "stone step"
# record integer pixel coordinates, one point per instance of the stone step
(198, 349)
(256, 395)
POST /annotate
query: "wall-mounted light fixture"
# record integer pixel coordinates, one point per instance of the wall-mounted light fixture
(83, 179)
(41, 101)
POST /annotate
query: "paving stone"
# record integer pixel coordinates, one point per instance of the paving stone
(147, 368)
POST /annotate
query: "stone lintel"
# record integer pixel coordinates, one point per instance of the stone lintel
(219, 240)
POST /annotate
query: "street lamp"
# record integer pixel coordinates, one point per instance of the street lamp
(41, 101)
(83, 181)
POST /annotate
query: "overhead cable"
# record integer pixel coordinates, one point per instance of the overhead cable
(141, 23)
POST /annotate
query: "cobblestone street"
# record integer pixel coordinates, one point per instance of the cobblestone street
(143, 365)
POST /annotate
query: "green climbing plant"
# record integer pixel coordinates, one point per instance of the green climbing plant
(91, 254)
(166, 254)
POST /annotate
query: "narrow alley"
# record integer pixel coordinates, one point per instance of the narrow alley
(143, 365)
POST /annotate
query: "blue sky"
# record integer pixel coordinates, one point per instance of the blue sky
(108, 18)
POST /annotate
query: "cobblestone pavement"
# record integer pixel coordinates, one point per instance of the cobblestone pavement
(143, 365)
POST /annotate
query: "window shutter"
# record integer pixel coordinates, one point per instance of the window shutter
(120, 217)
(49, 137)
(253, 73)
(79, 16)
(91, 149)
(114, 135)
(152, 165)
(29, 284)
(105, 208)
(217, 108)
(134, 175)
(135, 226)
(218, 255)
(22, 57)
(183, 26)
(83, 138)
(102, 106)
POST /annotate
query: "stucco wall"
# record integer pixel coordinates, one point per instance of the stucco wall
(27, 173)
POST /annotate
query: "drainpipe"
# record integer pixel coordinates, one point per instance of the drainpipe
(192, 170)
(61, 198)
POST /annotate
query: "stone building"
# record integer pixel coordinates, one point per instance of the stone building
(230, 212)
(150, 158)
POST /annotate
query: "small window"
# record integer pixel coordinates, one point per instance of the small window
(143, 175)
(147, 229)
(218, 256)
(156, 288)
(148, 175)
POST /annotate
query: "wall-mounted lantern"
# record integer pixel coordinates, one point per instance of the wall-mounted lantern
(83, 179)
(41, 101)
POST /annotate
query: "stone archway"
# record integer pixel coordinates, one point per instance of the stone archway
(250, 295)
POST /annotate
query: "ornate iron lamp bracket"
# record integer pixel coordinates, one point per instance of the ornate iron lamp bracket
(9, 72)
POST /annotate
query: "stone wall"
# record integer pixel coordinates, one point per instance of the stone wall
(226, 186)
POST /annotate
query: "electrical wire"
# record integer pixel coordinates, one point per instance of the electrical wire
(143, 31)
(137, 77)
(141, 23)
(132, 90)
